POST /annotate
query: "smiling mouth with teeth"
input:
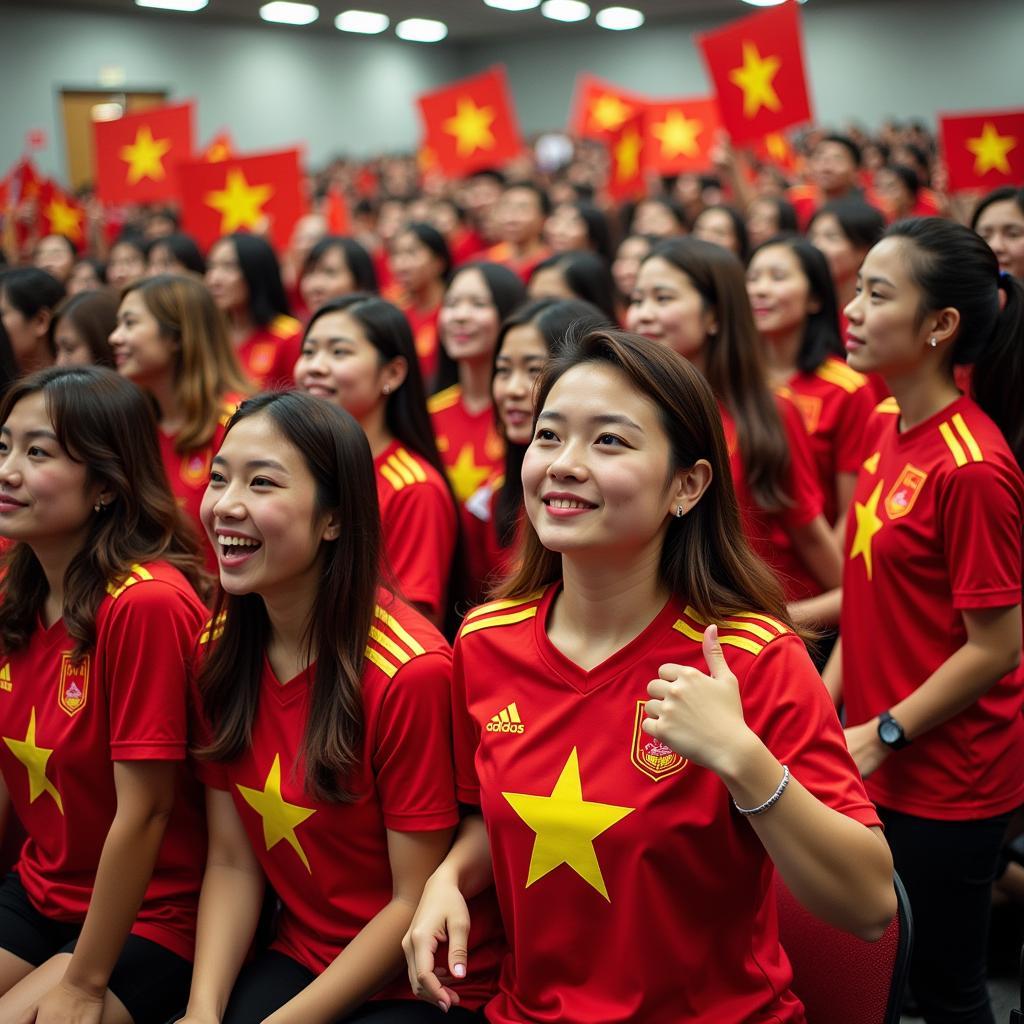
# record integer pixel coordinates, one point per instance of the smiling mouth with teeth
(239, 542)
(568, 503)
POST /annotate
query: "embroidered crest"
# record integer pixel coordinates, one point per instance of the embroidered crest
(73, 684)
(651, 756)
(195, 468)
(900, 500)
(261, 358)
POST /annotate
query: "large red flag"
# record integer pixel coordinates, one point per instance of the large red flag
(61, 214)
(137, 155)
(983, 150)
(626, 153)
(679, 135)
(471, 124)
(757, 66)
(262, 194)
(600, 109)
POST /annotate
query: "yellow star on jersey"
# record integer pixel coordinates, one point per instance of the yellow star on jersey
(755, 77)
(34, 759)
(465, 475)
(64, 219)
(240, 204)
(471, 126)
(868, 524)
(566, 826)
(627, 156)
(678, 137)
(990, 149)
(280, 818)
(610, 113)
(145, 156)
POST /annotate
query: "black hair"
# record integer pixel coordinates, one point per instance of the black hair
(785, 213)
(184, 250)
(907, 175)
(674, 208)
(598, 232)
(860, 222)
(999, 195)
(531, 186)
(739, 227)
(429, 236)
(587, 276)
(357, 259)
(133, 238)
(491, 174)
(847, 143)
(30, 290)
(262, 272)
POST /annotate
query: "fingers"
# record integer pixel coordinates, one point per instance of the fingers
(458, 944)
(420, 945)
(717, 665)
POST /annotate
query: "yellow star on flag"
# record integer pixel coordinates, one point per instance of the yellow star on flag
(868, 524)
(471, 126)
(990, 149)
(34, 758)
(609, 113)
(465, 475)
(280, 818)
(566, 826)
(627, 155)
(64, 219)
(145, 156)
(677, 135)
(240, 204)
(755, 77)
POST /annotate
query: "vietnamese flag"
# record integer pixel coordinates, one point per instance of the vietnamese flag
(983, 150)
(626, 153)
(757, 66)
(219, 148)
(61, 214)
(600, 109)
(137, 155)
(339, 222)
(777, 150)
(679, 135)
(471, 124)
(262, 194)
(25, 181)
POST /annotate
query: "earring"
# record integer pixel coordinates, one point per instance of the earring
(98, 507)
(387, 389)
(933, 342)
(679, 511)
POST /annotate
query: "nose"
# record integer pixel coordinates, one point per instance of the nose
(852, 309)
(568, 464)
(229, 503)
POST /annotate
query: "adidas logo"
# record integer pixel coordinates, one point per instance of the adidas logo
(5, 677)
(507, 720)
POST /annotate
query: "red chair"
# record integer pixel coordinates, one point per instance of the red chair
(839, 978)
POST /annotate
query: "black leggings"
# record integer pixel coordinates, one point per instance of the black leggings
(948, 868)
(268, 982)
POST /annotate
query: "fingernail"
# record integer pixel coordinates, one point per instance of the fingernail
(444, 1006)
(459, 970)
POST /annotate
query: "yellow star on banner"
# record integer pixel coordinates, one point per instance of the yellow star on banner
(627, 155)
(471, 126)
(145, 156)
(755, 79)
(64, 219)
(465, 475)
(678, 137)
(868, 524)
(990, 149)
(240, 204)
(566, 826)
(280, 818)
(609, 113)
(34, 759)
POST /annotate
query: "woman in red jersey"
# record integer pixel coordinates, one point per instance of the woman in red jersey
(97, 615)
(358, 354)
(691, 297)
(324, 706)
(934, 568)
(335, 267)
(999, 219)
(635, 685)
(478, 298)
(244, 277)
(170, 340)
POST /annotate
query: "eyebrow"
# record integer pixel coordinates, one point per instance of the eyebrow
(254, 464)
(880, 280)
(34, 435)
(605, 419)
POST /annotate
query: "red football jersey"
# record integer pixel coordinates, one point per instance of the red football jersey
(268, 356)
(935, 528)
(504, 254)
(835, 404)
(328, 862)
(768, 532)
(630, 888)
(419, 522)
(423, 323)
(65, 723)
(470, 446)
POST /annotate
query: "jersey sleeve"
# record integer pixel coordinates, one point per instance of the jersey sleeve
(803, 487)
(147, 644)
(465, 733)
(412, 758)
(981, 510)
(852, 430)
(786, 704)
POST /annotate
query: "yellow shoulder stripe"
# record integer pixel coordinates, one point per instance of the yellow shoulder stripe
(392, 477)
(888, 405)
(497, 606)
(842, 376)
(411, 465)
(389, 635)
(400, 469)
(213, 629)
(136, 575)
(960, 440)
(285, 326)
(871, 462)
(727, 639)
(500, 620)
(399, 630)
(381, 662)
(444, 399)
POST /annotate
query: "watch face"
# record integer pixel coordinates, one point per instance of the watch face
(890, 732)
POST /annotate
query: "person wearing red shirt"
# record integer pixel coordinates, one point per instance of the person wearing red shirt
(835, 173)
(244, 277)
(170, 340)
(97, 608)
(335, 267)
(635, 684)
(520, 217)
(358, 354)
(421, 263)
(691, 296)
(934, 565)
(324, 719)
(479, 297)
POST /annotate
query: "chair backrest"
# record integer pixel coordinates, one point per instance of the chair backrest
(839, 978)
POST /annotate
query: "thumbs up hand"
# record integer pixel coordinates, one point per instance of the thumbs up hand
(699, 716)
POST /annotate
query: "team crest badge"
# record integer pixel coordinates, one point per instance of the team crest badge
(73, 685)
(262, 358)
(900, 500)
(651, 756)
(810, 410)
(426, 340)
(195, 469)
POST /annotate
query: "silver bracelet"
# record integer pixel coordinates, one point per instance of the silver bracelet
(771, 801)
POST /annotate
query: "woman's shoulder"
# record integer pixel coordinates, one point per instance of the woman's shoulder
(503, 620)
(147, 589)
(400, 636)
(444, 400)
(403, 468)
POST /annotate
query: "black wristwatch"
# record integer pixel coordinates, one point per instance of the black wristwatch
(890, 732)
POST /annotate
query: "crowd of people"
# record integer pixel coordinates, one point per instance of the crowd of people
(478, 614)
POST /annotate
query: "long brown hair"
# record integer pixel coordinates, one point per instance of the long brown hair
(734, 365)
(207, 367)
(106, 423)
(705, 559)
(337, 455)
